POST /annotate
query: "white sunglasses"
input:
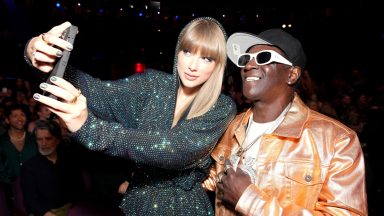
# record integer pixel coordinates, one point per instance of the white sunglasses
(262, 58)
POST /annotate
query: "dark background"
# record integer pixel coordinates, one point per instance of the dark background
(335, 36)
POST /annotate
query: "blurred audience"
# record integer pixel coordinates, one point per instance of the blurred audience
(40, 112)
(51, 181)
(16, 147)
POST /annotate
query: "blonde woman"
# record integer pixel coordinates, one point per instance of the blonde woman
(167, 123)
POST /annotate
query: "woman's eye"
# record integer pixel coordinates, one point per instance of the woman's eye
(208, 59)
(186, 52)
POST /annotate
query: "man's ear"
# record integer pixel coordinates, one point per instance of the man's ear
(294, 75)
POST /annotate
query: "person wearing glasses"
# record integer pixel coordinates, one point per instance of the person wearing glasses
(166, 123)
(280, 157)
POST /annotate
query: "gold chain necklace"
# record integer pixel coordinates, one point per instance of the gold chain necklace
(235, 158)
(17, 139)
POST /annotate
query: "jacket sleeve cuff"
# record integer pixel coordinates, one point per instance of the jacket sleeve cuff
(251, 201)
(27, 60)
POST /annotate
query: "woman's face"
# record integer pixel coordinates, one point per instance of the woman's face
(194, 69)
(44, 113)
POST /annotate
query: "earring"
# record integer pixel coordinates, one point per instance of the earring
(289, 79)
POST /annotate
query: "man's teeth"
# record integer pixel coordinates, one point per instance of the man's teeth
(252, 78)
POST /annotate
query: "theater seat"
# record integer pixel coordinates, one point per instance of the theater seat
(3, 205)
(90, 209)
(19, 198)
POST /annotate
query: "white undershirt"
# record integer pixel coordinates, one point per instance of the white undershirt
(256, 130)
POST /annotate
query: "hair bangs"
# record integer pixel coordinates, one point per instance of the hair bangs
(204, 41)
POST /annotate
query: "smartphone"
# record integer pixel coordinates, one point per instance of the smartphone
(69, 35)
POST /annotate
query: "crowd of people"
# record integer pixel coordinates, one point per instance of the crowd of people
(42, 171)
(311, 145)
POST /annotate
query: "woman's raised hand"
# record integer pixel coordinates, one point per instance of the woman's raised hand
(43, 50)
(70, 106)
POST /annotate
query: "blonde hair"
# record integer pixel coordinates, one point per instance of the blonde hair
(208, 37)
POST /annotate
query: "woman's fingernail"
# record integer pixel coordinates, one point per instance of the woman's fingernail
(43, 85)
(59, 53)
(36, 96)
(53, 78)
(70, 47)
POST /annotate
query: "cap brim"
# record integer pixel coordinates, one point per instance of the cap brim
(238, 43)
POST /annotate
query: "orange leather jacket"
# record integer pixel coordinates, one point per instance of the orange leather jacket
(310, 165)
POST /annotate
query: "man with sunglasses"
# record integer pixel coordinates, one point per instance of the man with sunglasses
(280, 157)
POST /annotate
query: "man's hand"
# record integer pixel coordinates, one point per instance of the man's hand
(232, 185)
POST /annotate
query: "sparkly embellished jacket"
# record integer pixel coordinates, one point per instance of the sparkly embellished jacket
(310, 165)
(132, 118)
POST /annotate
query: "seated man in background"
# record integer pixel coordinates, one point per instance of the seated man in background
(51, 181)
